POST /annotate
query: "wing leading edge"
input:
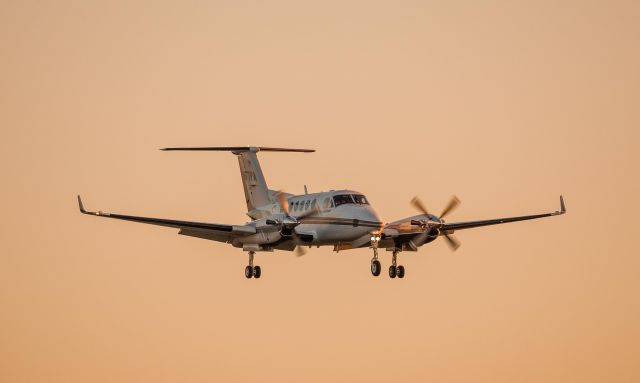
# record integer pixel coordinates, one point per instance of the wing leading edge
(488, 222)
(217, 231)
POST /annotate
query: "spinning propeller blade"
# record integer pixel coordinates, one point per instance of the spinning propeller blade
(453, 243)
(292, 222)
(300, 251)
(417, 203)
(283, 202)
(453, 203)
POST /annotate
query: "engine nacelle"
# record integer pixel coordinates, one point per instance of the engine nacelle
(261, 238)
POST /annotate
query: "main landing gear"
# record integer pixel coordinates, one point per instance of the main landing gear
(251, 270)
(394, 269)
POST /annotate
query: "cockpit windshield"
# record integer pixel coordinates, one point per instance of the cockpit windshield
(360, 199)
(350, 198)
(342, 199)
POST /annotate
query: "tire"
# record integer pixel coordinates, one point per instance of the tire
(375, 268)
(392, 271)
(257, 272)
(248, 272)
(400, 271)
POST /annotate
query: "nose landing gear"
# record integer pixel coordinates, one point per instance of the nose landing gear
(376, 268)
(251, 270)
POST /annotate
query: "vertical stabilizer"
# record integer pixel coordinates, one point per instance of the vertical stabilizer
(256, 193)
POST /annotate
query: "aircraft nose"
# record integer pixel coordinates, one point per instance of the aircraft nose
(369, 214)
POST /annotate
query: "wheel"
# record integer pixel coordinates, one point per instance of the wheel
(400, 271)
(392, 271)
(248, 272)
(375, 268)
(257, 272)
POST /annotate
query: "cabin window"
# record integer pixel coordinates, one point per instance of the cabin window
(360, 199)
(306, 205)
(295, 208)
(342, 199)
(313, 204)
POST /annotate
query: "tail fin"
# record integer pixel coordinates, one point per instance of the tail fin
(255, 187)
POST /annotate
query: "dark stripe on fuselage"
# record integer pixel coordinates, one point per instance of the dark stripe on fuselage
(340, 221)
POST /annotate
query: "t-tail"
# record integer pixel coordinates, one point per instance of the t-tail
(256, 192)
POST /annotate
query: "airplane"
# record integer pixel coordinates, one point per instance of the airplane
(343, 219)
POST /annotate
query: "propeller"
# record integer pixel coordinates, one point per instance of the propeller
(417, 203)
(291, 222)
(283, 202)
(453, 243)
(453, 203)
(284, 205)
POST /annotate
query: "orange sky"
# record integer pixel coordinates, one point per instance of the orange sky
(505, 105)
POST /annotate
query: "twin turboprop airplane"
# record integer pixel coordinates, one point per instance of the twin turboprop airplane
(343, 219)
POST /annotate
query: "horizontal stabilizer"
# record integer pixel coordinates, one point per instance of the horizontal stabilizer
(239, 149)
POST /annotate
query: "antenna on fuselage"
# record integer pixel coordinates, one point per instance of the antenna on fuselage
(305, 189)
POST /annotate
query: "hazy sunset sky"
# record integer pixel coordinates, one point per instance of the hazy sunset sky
(505, 104)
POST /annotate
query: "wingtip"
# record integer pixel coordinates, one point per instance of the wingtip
(563, 209)
(80, 205)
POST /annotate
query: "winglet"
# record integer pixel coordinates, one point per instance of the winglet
(80, 205)
(563, 209)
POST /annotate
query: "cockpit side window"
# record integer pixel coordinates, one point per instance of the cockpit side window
(360, 199)
(326, 203)
(342, 199)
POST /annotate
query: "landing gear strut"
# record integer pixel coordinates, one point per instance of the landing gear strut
(376, 268)
(394, 269)
(251, 270)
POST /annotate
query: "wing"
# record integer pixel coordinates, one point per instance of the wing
(450, 227)
(211, 231)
